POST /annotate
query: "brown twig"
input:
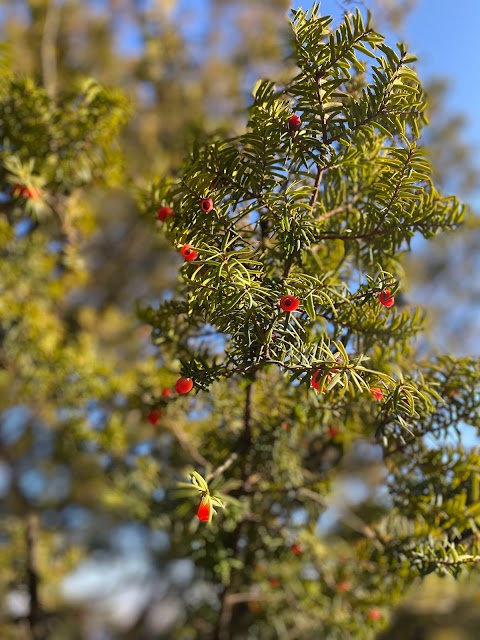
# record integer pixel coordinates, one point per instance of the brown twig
(223, 467)
(31, 539)
(229, 598)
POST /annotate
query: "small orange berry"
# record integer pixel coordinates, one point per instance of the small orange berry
(296, 549)
(183, 385)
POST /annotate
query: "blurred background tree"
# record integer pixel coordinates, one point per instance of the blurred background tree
(80, 466)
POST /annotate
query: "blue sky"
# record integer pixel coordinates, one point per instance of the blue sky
(444, 36)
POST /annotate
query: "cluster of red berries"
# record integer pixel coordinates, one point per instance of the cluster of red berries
(187, 251)
(155, 414)
(182, 386)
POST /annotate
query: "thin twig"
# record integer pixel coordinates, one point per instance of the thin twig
(219, 470)
(187, 445)
(316, 186)
(31, 539)
(227, 598)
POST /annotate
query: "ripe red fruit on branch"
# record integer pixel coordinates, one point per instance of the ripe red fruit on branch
(374, 614)
(166, 393)
(289, 303)
(294, 123)
(316, 378)
(343, 586)
(154, 416)
(385, 298)
(188, 253)
(163, 213)
(19, 191)
(296, 549)
(206, 204)
(332, 431)
(274, 582)
(377, 393)
(183, 385)
(204, 509)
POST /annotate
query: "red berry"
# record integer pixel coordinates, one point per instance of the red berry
(163, 213)
(188, 253)
(154, 416)
(289, 303)
(274, 582)
(296, 549)
(316, 378)
(343, 586)
(377, 393)
(386, 298)
(20, 191)
(332, 432)
(286, 426)
(294, 123)
(206, 205)
(183, 385)
(374, 614)
(166, 393)
(204, 510)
